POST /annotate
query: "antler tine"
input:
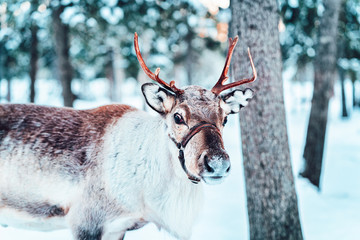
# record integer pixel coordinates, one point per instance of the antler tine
(154, 76)
(219, 86)
(232, 45)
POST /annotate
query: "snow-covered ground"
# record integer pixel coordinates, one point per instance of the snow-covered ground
(334, 212)
(331, 214)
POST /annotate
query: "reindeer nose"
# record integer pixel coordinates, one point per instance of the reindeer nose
(217, 165)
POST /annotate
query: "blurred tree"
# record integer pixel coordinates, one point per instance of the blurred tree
(299, 34)
(110, 73)
(2, 63)
(341, 54)
(325, 66)
(352, 75)
(19, 40)
(344, 111)
(13, 42)
(271, 197)
(300, 19)
(171, 28)
(2, 48)
(348, 47)
(298, 40)
(34, 54)
(101, 39)
(62, 46)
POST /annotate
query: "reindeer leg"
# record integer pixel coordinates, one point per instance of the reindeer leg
(85, 224)
(122, 237)
(82, 234)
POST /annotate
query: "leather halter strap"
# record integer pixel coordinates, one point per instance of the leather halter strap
(194, 130)
(181, 146)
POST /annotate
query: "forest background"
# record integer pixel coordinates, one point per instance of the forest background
(80, 54)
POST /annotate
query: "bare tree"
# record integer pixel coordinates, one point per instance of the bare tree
(352, 75)
(271, 197)
(344, 112)
(62, 45)
(325, 66)
(34, 53)
(110, 74)
(8, 95)
(341, 53)
(33, 60)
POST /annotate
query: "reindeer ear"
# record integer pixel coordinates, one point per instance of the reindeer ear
(236, 99)
(159, 99)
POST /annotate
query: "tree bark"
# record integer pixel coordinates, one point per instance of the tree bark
(1, 66)
(344, 112)
(271, 197)
(353, 79)
(33, 60)
(190, 61)
(353, 95)
(8, 95)
(62, 45)
(340, 48)
(110, 74)
(324, 65)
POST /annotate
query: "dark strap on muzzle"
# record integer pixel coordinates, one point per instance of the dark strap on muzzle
(194, 130)
(181, 146)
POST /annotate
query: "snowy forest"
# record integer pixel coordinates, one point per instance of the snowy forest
(294, 149)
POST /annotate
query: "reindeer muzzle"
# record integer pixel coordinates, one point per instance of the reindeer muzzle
(181, 146)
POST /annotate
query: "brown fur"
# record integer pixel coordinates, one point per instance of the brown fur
(36, 209)
(55, 132)
(200, 100)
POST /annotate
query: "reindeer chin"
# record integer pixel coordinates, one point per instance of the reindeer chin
(213, 180)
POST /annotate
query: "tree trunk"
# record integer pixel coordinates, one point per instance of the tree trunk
(352, 75)
(110, 74)
(119, 74)
(353, 94)
(8, 95)
(62, 45)
(33, 60)
(344, 112)
(271, 197)
(324, 65)
(1, 66)
(189, 61)
(340, 48)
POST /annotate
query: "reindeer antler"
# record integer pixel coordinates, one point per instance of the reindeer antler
(219, 86)
(154, 76)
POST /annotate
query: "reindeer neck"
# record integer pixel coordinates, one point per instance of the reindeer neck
(146, 160)
(180, 197)
(140, 144)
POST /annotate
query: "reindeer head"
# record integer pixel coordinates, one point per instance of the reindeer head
(195, 118)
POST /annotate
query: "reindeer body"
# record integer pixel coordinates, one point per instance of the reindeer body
(104, 171)
(96, 171)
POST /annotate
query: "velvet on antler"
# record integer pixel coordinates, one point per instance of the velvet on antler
(219, 86)
(154, 76)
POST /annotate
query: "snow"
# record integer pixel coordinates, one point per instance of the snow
(112, 15)
(332, 213)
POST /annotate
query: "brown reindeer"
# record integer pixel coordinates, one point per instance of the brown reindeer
(104, 171)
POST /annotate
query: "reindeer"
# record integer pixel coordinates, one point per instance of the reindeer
(104, 171)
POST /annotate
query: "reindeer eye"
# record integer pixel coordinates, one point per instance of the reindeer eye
(178, 119)
(225, 121)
